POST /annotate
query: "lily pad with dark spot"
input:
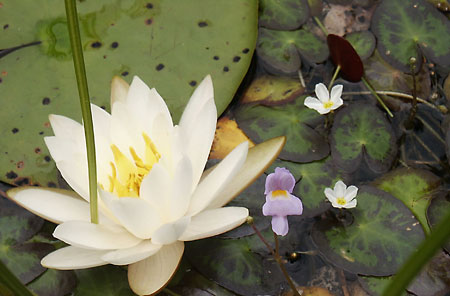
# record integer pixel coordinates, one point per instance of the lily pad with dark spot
(379, 237)
(283, 14)
(414, 187)
(406, 29)
(293, 120)
(361, 132)
(283, 51)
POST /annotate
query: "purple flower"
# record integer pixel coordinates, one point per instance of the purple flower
(279, 201)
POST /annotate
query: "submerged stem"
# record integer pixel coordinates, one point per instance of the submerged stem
(80, 72)
(321, 26)
(336, 72)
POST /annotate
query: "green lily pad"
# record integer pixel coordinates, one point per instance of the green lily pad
(380, 238)
(171, 45)
(363, 42)
(17, 225)
(293, 120)
(195, 284)
(438, 208)
(54, 283)
(361, 131)
(233, 264)
(312, 179)
(414, 187)
(104, 280)
(447, 144)
(406, 29)
(284, 14)
(282, 51)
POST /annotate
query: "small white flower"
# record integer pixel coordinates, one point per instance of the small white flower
(341, 196)
(324, 103)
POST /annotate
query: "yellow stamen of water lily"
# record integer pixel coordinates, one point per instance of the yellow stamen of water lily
(328, 104)
(341, 201)
(127, 174)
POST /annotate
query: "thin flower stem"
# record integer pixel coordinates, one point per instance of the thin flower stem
(321, 26)
(427, 249)
(80, 72)
(283, 269)
(372, 91)
(393, 94)
(262, 239)
(8, 279)
(336, 72)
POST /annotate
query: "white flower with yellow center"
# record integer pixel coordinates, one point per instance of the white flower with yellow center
(153, 194)
(341, 196)
(324, 103)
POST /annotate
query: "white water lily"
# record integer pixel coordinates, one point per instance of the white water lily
(341, 196)
(153, 194)
(324, 103)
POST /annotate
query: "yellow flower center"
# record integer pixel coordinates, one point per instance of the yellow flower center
(127, 174)
(279, 194)
(341, 201)
(328, 104)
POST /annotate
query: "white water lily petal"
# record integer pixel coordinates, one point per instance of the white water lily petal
(351, 192)
(339, 189)
(87, 235)
(351, 204)
(218, 178)
(198, 125)
(119, 90)
(214, 222)
(62, 149)
(149, 276)
(131, 255)
(336, 93)
(170, 232)
(66, 128)
(73, 258)
(314, 103)
(156, 188)
(75, 173)
(322, 92)
(135, 214)
(330, 194)
(258, 160)
(55, 205)
(181, 193)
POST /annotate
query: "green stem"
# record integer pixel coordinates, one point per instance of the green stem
(372, 91)
(80, 72)
(321, 26)
(12, 282)
(336, 72)
(283, 269)
(419, 258)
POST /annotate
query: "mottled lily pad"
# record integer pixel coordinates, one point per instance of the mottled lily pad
(283, 51)
(272, 90)
(380, 238)
(233, 264)
(376, 285)
(363, 42)
(171, 45)
(284, 14)
(104, 280)
(414, 187)
(361, 131)
(54, 283)
(438, 208)
(17, 225)
(406, 29)
(312, 179)
(293, 120)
